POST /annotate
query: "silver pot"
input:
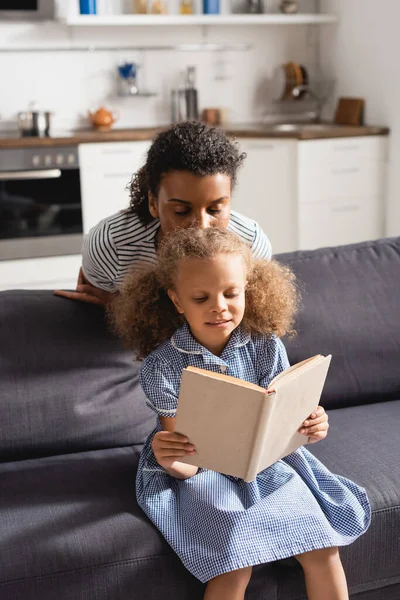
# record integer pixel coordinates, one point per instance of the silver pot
(34, 123)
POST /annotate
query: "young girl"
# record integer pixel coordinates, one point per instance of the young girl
(224, 311)
(186, 181)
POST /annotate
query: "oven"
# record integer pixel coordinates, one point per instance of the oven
(27, 9)
(40, 202)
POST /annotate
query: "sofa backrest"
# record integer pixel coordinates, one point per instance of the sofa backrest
(66, 384)
(351, 309)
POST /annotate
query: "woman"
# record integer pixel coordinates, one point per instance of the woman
(187, 181)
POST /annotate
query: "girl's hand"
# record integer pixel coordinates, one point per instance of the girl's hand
(168, 448)
(316, 426)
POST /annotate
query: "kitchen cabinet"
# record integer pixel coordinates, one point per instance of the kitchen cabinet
(266, 189)
(106, 171)
(341, 184)
(313, 193)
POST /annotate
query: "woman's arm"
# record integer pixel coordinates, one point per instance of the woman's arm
(168, 446)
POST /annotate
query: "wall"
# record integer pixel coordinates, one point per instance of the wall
(362, 52)
(69, 83)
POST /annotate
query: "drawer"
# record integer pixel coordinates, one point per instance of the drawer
(113, 157)
(342, 151)
(342, 221)
(329, 180)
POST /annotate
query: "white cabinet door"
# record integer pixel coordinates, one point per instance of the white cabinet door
(340, 191)
(106, 171)
(266, 189)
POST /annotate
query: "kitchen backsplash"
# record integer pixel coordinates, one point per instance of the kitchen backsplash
(70, 82)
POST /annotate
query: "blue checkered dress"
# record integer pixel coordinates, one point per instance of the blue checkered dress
(217, 523)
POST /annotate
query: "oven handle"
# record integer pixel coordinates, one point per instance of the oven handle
(43, 174)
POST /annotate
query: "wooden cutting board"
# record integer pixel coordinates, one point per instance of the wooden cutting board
(350, 111)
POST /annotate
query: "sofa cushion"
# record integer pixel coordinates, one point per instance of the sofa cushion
(66, 383)
(76, 515)
(72, 529)
(363, 445)
(351, 309)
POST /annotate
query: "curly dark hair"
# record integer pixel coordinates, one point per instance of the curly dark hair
(188, 146)
(144, 316)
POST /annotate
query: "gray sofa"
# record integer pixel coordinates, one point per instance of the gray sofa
(73, 419)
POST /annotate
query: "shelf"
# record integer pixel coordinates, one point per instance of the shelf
(157, 20)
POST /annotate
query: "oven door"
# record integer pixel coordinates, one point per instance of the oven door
(40, 213)
(27, 9)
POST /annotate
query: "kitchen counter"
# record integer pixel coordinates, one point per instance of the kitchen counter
(256, 130)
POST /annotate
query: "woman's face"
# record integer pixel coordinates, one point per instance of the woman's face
(187, 200)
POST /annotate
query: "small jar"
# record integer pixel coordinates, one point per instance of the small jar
(186, 7)
(211, 7)
(159, 7)
(140, 7)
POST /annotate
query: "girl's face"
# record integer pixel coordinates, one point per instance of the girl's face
(211, 295)
(187, 200)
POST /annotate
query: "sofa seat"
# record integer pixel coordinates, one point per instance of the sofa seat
(74, 517)
(84, 524)
(363, 445)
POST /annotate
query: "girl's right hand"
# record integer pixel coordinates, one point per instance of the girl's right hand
(169, 447)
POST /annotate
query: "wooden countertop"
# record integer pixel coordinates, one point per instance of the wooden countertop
(237, 130)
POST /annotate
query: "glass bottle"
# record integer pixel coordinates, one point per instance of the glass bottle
(186, 7)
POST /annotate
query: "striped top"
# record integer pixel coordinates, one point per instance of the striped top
(121, 242)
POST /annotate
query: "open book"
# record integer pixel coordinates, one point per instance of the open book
(239, 428)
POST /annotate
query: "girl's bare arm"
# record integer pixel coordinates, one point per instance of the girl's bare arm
(169, 446)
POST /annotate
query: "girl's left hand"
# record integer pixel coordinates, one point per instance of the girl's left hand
(316, 426)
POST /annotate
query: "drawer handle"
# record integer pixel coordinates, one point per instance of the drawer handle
(345, 171)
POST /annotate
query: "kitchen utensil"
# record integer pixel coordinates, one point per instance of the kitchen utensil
(350, 111)
(102, 119)
(34, 123)
(192, 111)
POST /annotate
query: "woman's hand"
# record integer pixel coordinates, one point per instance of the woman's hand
(316, 426)
(168, 448)
(86, 292)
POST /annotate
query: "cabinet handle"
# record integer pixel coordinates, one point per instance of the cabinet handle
(345, 171)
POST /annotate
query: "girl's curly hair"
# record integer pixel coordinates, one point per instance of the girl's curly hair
(144, 316)
(189, 146)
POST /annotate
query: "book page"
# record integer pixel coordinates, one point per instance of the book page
(289, 372)
(221, 417)
(295, 399)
